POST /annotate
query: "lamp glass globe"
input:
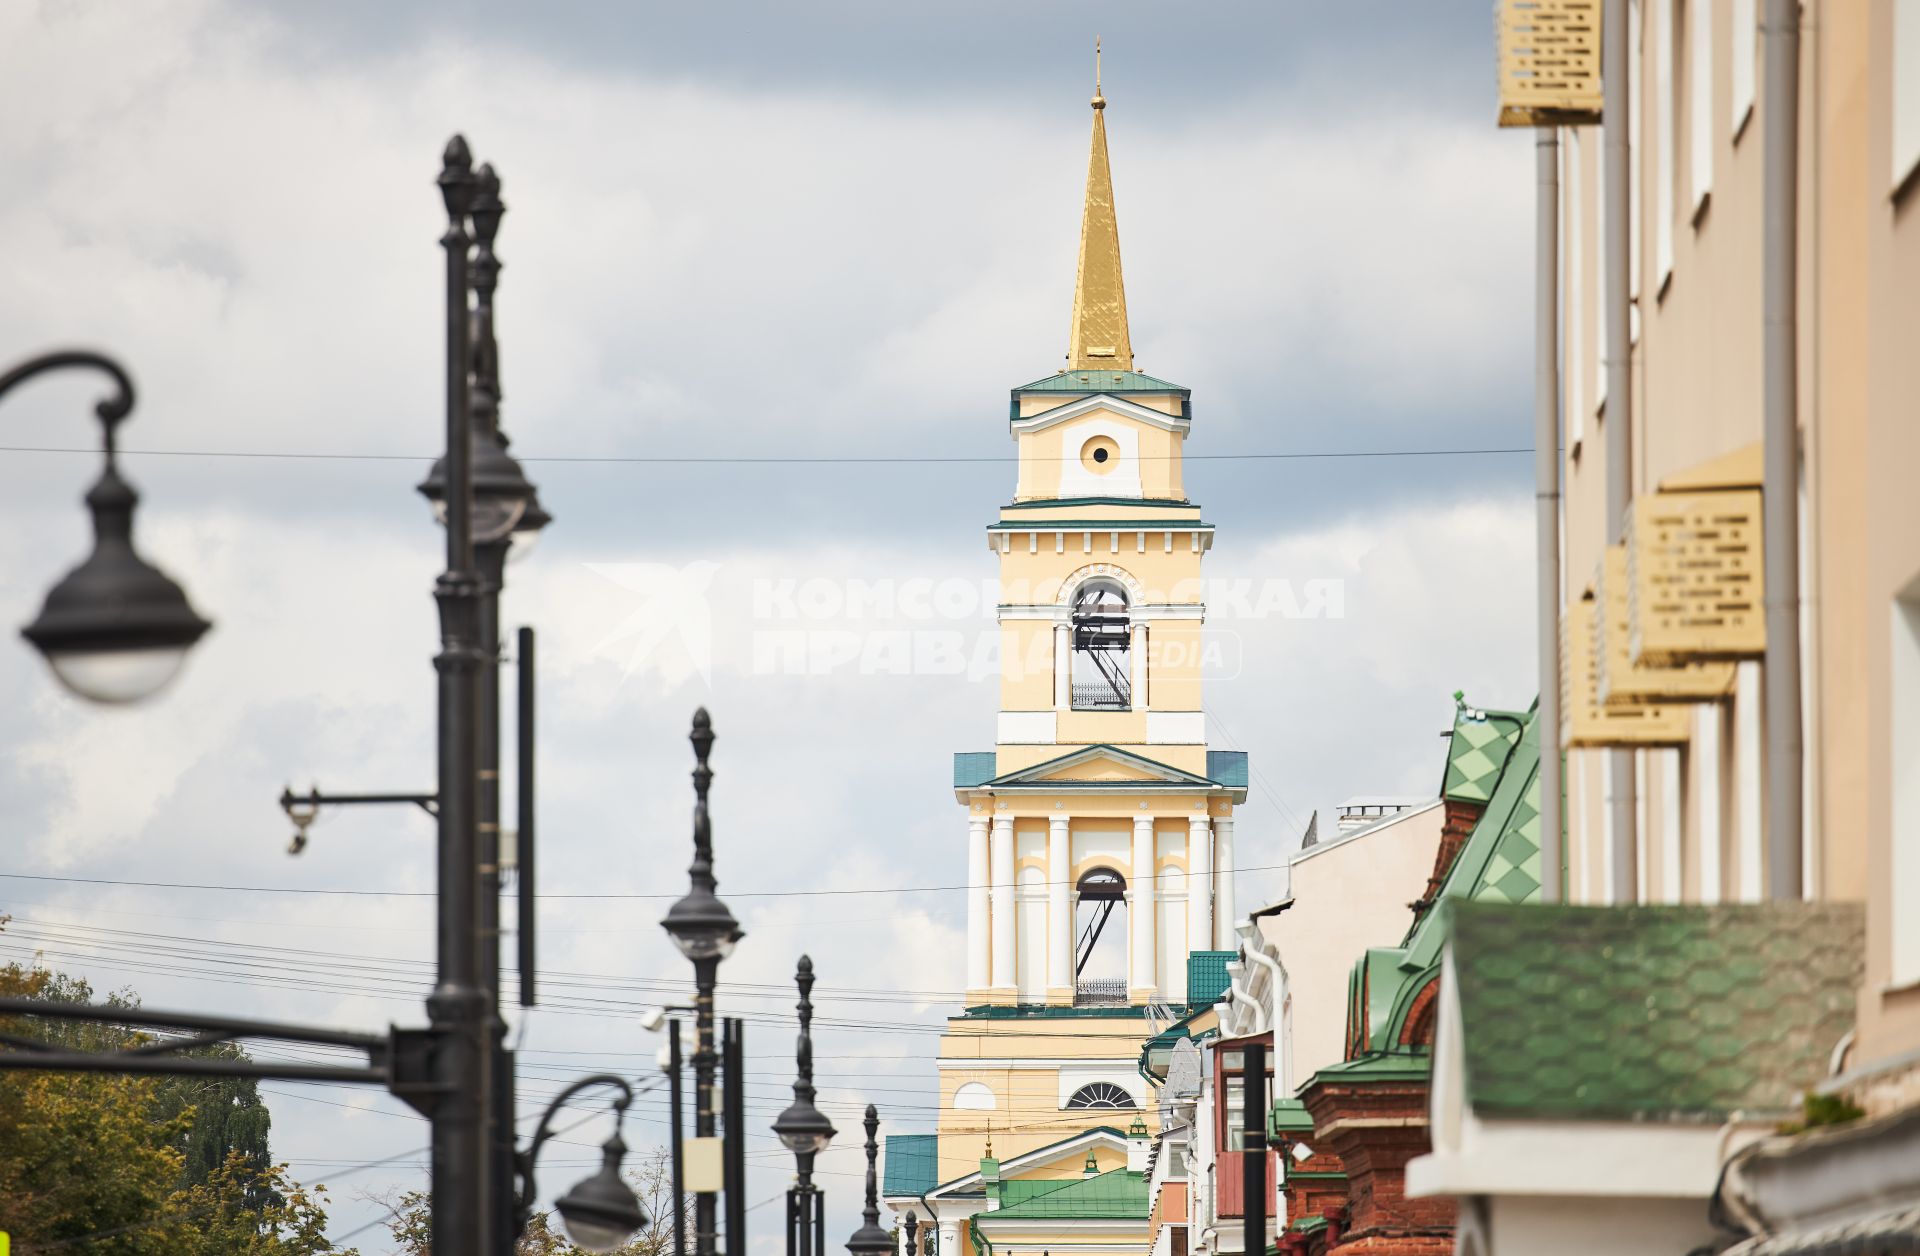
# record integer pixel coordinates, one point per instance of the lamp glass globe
(117, 677)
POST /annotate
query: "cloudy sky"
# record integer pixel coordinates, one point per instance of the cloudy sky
(793, 234)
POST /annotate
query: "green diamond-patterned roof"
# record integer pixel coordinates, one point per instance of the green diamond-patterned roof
(912, 1165)
(1673, 1013)
(1500, 862)
(1114, 1195)
(1477, 751)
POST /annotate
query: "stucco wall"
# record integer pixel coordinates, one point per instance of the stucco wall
(1347, 896)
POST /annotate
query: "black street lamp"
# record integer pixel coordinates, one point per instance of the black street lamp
(116, 628)
(506, 506)
(870, 1239)
(601, 1212)
(705, 931)
(804, 1128)
(913, 1233)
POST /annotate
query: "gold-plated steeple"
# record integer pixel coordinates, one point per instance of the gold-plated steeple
(1099, 339)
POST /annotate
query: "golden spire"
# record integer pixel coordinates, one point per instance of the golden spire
(1099, 339)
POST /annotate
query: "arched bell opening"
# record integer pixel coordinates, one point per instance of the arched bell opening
(1100, 953)
(1102, 648)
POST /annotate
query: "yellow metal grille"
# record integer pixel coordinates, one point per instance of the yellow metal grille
(1549, 61)
(1618, 678)
(1694, 586)
(1588, 723)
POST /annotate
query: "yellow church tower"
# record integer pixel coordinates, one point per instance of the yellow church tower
(1100, 842)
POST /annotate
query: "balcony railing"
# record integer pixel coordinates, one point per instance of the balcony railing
(1100, 992)
(1100, 697)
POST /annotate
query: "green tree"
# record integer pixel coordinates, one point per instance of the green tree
(100, 1162)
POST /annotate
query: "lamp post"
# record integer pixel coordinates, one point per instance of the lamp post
(600, 1212)
(913, 1233)
(116, 628)
(870, 1239)
(804, 1129)
(506, 505)
(706, 932)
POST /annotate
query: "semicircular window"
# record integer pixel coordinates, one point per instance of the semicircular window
(1101, 1095)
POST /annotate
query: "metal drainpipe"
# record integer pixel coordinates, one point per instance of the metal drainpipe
(1780, 504)
(1618, 416)
(1546, 474)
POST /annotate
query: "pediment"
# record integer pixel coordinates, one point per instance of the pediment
(1101, 765)
(1069, 1152)
(1100, 403)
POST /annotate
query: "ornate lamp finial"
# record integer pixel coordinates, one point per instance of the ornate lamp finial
(870, 1239)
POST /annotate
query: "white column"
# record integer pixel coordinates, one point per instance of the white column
(1004, 978)
(1062, 668)
(1141, 908)
(1139, 667)
(1199, 884)
(1059, 908)
(1224, 915)
(979, 957)
(949, 1238)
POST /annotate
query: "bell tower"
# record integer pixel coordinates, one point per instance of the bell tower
(1100, 827)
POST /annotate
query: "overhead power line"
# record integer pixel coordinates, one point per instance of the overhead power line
(776, 459)
(612, 895)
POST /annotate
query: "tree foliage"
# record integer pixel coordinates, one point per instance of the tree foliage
(137, 1165)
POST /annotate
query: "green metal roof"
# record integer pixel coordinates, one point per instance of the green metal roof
(1477, 751)
(1672, 1013)
(1117, 1194)
(912, 1165)
(1207, 976)
(973, 767)
(1228, 767)
(1048, 503)
(1099, 382)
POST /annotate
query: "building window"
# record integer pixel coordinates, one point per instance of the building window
(1904, 779)
(1102, 648)
(1700, 101)
(1906, 91)
(1103, 1095)
(1233, 1101)
(1746, 52)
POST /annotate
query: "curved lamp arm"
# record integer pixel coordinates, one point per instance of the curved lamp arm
(544, 1131)
(110, 409)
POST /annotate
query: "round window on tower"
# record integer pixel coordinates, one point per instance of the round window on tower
(1100, 455)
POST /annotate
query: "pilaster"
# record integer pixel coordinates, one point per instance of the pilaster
(1142, 897)
(979, 878)
(1060, 904)
(1225, 915)
(1005, 981)
(1199, 884)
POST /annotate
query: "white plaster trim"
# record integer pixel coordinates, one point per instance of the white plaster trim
(1588, 1159)
(1026, 728)
(1122, 480)
(1098, 571)
(1176, 728)
(1098, 401)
